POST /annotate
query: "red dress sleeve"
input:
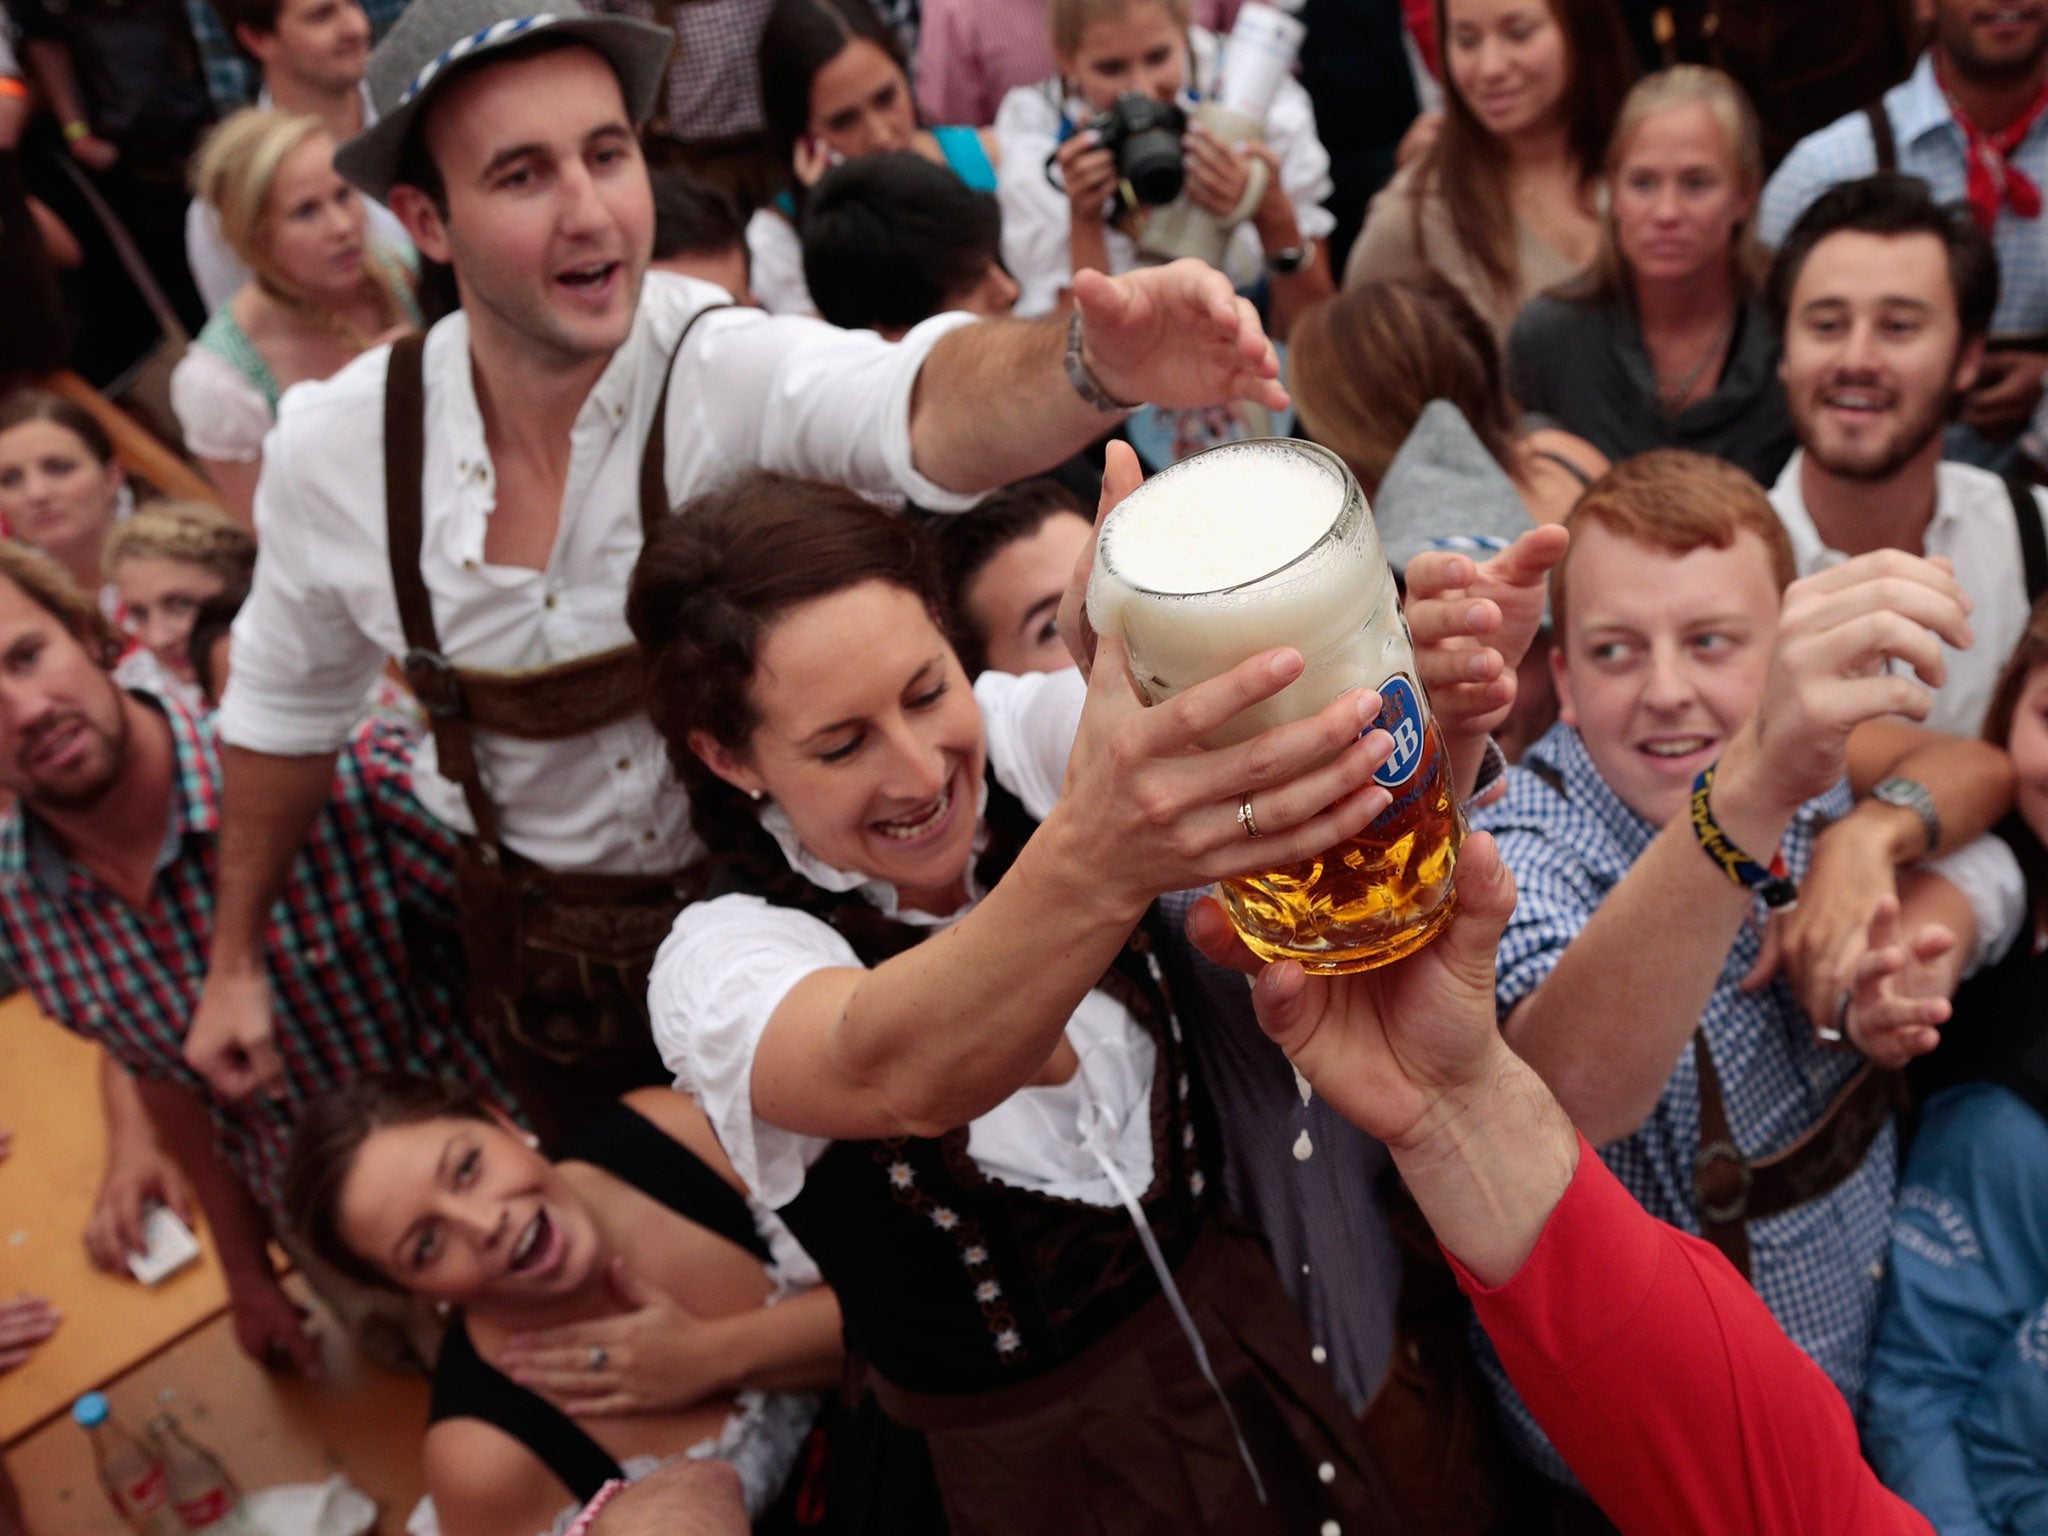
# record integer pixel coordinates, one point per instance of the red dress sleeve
(1668, 1387)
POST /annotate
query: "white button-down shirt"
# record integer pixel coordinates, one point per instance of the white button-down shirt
(1974, 529)
(784, 394)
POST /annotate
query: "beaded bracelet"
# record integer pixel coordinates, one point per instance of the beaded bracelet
(598, 1500)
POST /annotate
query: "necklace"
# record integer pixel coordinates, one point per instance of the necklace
(1673, 397)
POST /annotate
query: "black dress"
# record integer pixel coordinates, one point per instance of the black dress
(1027, 1337)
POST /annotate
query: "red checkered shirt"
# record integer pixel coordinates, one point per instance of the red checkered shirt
(365, 967)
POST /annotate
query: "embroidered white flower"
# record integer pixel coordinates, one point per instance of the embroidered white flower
(1187, 1135)
(1196, 1182)
(1008, 1343)
(987, 1292)
(974, 1256)
(902, 1175)
(945, 1218)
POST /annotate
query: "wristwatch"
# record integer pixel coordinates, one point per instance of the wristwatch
(1290, 261)
(1912, 795)
(1082, 377)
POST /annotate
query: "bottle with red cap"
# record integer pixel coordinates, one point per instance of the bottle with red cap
(131, 1469)
(202, 1493)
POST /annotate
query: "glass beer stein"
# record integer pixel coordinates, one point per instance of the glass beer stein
(1260, 544)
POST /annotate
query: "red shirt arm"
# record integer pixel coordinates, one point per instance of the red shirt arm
(1669, 1388)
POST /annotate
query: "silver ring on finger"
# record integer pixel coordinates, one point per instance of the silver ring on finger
(1247, 820)
(598, 1359)
(1835, 1034)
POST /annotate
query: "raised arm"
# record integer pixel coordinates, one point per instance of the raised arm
(1652, 1367)
(950, 1028)
(994, 404)
(1605, 1028)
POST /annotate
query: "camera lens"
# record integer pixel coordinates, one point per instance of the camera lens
(1150, 161)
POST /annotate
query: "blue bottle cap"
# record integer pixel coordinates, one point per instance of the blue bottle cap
(90, 1410)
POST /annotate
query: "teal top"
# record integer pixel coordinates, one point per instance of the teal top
(964, 153)
(965, 158)
(223, 336)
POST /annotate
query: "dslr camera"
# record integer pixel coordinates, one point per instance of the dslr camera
(1144, 136)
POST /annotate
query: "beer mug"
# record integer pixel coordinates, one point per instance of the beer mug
(1259, 544)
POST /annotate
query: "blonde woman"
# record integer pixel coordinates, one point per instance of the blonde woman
(322, 291)
(1664, 342)
(165, 562)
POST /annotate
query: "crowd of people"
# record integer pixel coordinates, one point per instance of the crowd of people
(553, 741)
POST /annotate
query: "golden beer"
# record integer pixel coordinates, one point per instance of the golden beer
(1258, 544)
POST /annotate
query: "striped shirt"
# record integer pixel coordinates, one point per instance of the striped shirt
(1817, 1267)
(365, 970)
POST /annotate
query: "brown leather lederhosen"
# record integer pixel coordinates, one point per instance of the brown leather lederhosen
(558, 962)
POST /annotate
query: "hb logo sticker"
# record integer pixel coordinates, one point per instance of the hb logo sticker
(1400, 717)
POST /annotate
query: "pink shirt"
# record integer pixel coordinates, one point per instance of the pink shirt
(971, 53)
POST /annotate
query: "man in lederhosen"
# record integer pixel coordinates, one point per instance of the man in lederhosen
(474, 507)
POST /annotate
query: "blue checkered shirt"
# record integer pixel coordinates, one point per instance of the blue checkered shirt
(231, 76)
(1818, 1267)
(1933, 148)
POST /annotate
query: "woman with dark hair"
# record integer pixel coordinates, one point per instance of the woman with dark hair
(1502, 203)
(1362, 366)
(1665, 342)
(612, 1308)
(61, 490)
(834, 86)
(927, 1020)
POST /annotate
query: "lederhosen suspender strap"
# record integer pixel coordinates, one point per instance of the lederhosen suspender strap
(558, 961)
(1881, 137)
(1729, 1190)
(2026, 516)
(546, 705)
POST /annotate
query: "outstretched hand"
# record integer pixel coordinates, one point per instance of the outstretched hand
(1394, 1049)
(1410, 1053)
(1472, 622)
(1888, 1013)
(1176, 336)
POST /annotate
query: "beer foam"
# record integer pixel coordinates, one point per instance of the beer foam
(1229, 517)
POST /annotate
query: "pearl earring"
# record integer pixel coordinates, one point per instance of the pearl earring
(754, 794)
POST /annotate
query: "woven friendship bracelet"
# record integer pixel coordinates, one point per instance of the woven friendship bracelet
(1772, 883)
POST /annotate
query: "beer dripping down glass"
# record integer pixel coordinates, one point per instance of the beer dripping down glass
(1269, 543)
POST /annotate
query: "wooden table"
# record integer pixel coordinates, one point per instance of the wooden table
(49, 1098)
(359, 1419)
(172, 1346)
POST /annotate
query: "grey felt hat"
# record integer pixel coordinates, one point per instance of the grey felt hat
(1444, 491)
(433, 39)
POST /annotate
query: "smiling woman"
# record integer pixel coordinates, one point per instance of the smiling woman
(613, 1304)
(925, 1026)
